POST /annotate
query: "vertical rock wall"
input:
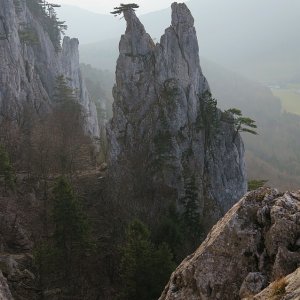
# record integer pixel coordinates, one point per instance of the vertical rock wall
(28, 69)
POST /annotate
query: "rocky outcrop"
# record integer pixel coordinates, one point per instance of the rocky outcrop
(255, 243)
(30, 62)
(21, 281)
(166, 138)
(286, 288)
(4, 289)
(21, 223)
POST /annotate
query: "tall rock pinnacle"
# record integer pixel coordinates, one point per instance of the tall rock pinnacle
(165, 135)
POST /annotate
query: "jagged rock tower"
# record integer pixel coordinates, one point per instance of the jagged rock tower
(161, 140)
(30, 62)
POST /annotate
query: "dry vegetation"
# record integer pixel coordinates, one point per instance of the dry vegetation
(278, 288)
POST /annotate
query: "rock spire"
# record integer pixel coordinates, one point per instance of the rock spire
(166, 136)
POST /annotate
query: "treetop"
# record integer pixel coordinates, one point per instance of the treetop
(124, 7)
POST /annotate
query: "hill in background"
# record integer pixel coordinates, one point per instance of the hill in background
(268, 45)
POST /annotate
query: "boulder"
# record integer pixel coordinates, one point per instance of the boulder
(254, 243)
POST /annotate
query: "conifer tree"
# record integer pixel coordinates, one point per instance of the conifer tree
(46, 13)
(6, 171)
(124, 7)
(171, 231)
(63, 93)
(208, 118)
(191, 215)
(241, 123)
(71, 233)
(61, 259)
(144, 269)
(69, 122)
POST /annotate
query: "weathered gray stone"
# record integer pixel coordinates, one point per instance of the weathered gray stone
(28, 70)
(158, 143)
(8, 265)
(20, 279)
(5, 293)
(253, 284)
(238, 245)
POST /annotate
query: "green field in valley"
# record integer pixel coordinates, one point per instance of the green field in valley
(290, 97)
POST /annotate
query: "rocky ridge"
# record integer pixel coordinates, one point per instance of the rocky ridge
(255, 243)
(162, 142)
(30, 62)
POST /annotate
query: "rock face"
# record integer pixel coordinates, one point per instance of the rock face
(165, 137)
(255, 243)
(4, 289)
(20, 280)
(30, 62)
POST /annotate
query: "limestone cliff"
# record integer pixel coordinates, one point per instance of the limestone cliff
(165, 136)
(30, 62)
(255, 243)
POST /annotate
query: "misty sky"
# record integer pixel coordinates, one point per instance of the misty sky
(105, 6)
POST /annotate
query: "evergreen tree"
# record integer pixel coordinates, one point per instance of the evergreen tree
(171, 232)
(191, 215)
(69, 121)
(162, 267)
(46, 13)
(62, 260)
(209, 112)
(241, 123)
(6, 171)
(124, 7)
(63, 95)
(208, 118)
(71, 233)
(144, 269)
